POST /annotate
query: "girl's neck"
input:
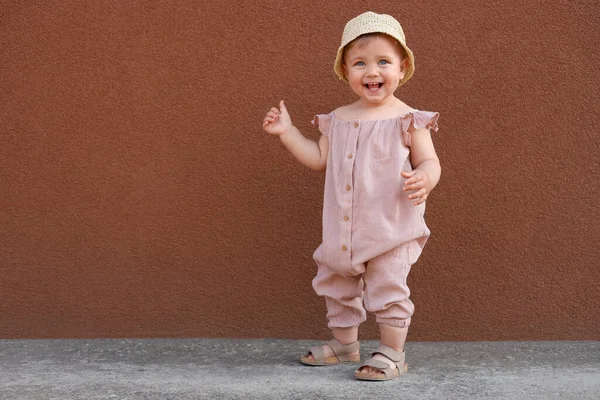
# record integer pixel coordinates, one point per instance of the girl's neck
(389, 102)
(388, 106)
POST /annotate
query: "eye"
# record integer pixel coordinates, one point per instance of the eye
(383, 62)
(360, 64)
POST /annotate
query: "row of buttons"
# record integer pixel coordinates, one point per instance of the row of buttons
(346, 218)
(348, 188)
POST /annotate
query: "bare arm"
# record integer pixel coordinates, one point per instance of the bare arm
(426, 166)
(308, 152)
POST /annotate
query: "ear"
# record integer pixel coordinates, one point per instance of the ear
(404, 67)
(345, 70)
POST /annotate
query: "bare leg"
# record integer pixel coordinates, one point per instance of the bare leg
(393, 337)
(345, 335)
(342, 335)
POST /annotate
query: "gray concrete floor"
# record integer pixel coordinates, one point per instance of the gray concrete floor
(268, 369)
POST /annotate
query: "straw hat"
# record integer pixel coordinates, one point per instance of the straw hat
(371, 22)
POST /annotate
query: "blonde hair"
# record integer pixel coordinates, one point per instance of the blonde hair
(366, 38)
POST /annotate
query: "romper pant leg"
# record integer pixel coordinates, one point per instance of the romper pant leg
(386, 291)
(343, 297)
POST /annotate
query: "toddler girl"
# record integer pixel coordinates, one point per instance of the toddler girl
(380, 167)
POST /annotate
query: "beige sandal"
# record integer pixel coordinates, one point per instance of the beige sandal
(396, 356)
(341, 354)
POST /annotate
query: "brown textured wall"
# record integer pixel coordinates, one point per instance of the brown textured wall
(140, 198)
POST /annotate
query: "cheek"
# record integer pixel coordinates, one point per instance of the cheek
(352, 77)
(399, 71)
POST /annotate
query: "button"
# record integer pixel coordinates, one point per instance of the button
(350, 155)
(346, 218)
(344, 248)
(348, 188)
(356, 124)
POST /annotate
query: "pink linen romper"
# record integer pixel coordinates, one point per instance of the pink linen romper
(372, 232)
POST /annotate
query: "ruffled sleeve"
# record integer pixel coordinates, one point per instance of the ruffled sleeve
(323, 122)
(419, 119)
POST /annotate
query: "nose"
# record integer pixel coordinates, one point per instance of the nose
(373, 70)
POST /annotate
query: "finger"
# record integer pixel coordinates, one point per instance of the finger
(414, 186)
(417, 194)
(282, 107)
(422, 199)
(272, 114)
(274, 110)
(411, 181)
(415, 177)
(407, 174)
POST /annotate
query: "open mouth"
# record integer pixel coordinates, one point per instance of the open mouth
(373, 85)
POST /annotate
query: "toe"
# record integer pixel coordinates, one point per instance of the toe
(374, 372)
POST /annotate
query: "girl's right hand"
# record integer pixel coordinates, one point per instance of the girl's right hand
(277, 121)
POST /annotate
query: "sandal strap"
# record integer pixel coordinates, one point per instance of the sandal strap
(398, 357)
(318, 353)
(342, 350)
(339, 350)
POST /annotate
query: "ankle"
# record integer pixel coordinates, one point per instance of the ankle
(399, 349)
(345, 335)
(393, 337)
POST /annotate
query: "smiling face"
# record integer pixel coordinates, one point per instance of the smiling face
(374, 66)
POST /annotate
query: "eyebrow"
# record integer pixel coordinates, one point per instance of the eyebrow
(378, 56)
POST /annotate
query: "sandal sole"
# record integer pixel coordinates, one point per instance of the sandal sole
(328, 361)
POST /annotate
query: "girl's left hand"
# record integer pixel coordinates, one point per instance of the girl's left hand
(418, 183)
